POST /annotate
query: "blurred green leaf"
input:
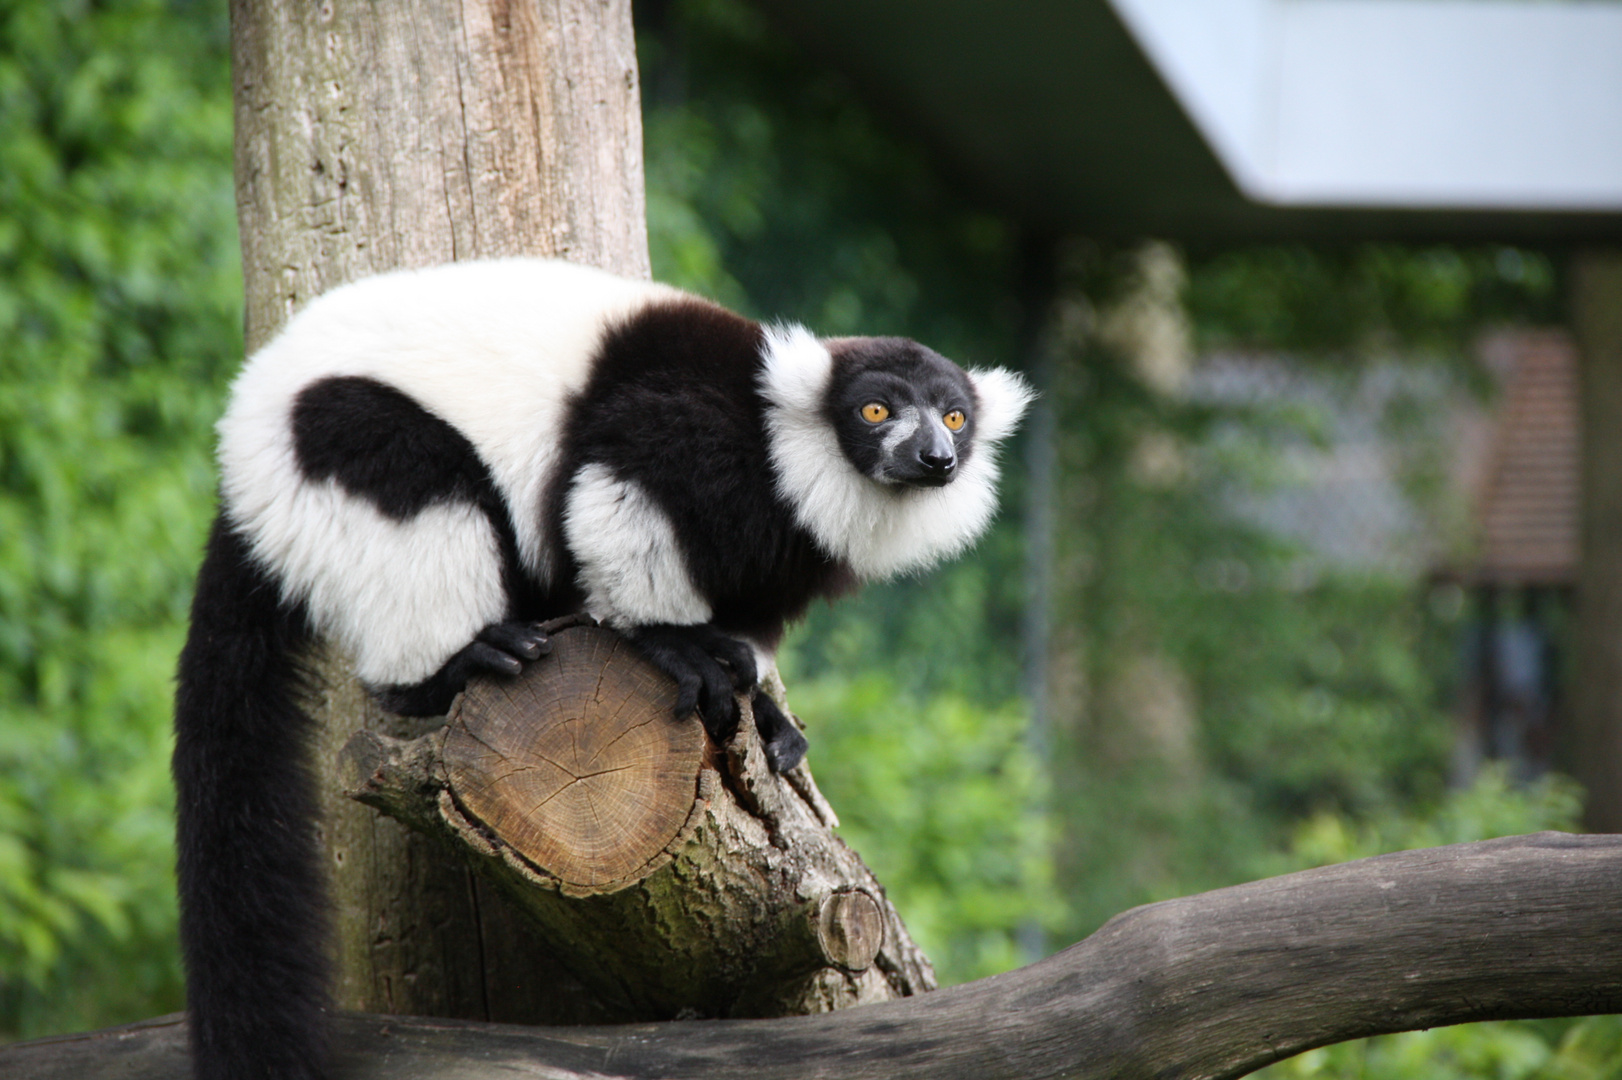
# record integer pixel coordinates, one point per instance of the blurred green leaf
(945, 801)
(119, 323)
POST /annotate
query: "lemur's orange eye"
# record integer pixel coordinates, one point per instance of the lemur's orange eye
(874, 413)
(954, 420)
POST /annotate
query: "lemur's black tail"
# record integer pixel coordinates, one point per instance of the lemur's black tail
(252, 897)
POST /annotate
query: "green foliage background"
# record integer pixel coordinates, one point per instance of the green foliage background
(1322, 732)
(119, 314)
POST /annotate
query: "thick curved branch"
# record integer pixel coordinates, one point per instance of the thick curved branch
(1215, 985)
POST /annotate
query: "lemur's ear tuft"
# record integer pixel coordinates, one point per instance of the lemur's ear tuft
(1004, 396)
(795, 370)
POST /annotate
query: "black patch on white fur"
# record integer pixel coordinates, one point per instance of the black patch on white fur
(673, 405)
(381, 445)
(252, 905)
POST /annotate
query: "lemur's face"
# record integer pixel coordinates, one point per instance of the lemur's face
(903, 413)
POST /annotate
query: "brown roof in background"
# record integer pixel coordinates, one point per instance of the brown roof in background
(1527, 511)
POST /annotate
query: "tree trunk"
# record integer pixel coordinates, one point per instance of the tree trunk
(1595, 749)
(377, 136)
(1211, 987)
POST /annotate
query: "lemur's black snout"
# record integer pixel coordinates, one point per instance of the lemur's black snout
(934, 458)
(935, 467)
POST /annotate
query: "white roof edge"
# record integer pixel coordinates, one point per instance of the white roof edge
(1434, 104)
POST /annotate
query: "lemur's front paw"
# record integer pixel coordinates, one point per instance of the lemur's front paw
(708, 667)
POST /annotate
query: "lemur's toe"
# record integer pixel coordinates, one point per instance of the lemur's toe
(780, 737)
(717, 705)
(737, 656)
(483, 657)
(499, 649)
(524, 640)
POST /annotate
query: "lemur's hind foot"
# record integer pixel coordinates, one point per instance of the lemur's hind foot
(501, 648)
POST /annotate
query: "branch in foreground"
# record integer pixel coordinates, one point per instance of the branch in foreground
(1215, 985)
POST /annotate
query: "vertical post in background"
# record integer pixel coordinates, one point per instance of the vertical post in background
(1595, 745)
(1041, 450)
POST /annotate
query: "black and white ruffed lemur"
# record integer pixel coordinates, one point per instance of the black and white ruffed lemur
(426, 464)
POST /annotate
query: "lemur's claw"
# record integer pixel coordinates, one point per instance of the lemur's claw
(780, 737)
(521, 640)
(499, 649)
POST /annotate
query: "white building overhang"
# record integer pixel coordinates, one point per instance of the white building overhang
(1456, 104)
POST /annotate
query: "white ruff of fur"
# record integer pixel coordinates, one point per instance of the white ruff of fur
(880, 530)
(631, 566)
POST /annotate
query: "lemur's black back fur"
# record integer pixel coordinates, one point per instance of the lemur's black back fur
(674, 405)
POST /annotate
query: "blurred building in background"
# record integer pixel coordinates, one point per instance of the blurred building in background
(1327, 122)
(1521, 568)
(1499, 538)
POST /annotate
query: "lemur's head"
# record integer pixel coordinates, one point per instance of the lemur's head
(884, 449)
(903, 414)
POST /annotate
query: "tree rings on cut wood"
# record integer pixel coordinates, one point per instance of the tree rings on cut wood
(850, 929)
(579, 765)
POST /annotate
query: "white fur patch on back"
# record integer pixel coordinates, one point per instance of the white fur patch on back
(879, 529)
(493, 348)
(631, 567)
(399, 597)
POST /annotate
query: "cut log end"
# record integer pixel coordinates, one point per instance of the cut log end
(850, 929)
(580, 765)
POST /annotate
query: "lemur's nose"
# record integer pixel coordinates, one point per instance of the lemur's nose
(937, 461)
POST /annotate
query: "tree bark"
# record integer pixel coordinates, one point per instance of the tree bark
(376, 136)
(1595, 746)
(1211, 986)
